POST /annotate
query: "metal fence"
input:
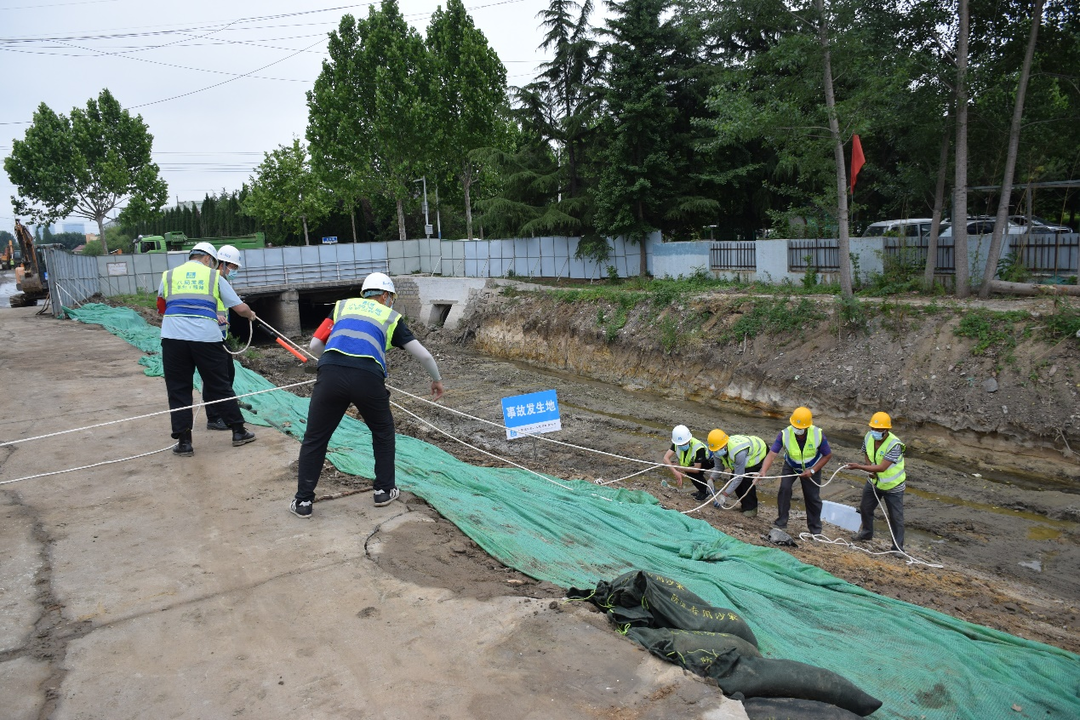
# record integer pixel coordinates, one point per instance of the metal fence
(915, 249)
(820, 254)
(73, 279)
(733, 255)
(1048, 253)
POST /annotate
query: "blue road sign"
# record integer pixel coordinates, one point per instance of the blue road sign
(531, 414)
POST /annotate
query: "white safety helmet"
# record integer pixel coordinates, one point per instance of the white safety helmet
(680, 435)
(205, 248)
(378, 281)
(229, 254)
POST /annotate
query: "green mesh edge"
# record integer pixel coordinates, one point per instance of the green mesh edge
(921, 663)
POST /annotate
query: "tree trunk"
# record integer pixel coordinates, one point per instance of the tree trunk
(935, 218)
(959, 227)
(401, 219)
(101, 235)
(1002, 218)
(1012, 288)
(352, 220)
(838, 154)
(304, 218)
(466, 184)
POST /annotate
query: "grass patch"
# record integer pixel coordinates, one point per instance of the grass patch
(774, 316)
(142, 298)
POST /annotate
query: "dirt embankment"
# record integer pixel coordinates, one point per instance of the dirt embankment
(1005, 408)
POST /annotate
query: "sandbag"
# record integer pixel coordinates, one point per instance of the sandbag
(792, 709)
(643, 599)
(738, 668)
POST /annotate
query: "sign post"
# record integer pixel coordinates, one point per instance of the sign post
(531, 414)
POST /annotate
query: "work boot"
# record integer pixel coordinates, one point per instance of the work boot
(183, 446)
(217, 424)
(750, 513)
(242, 436)
(862, 535)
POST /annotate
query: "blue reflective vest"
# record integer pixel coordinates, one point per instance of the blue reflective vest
(363, 328)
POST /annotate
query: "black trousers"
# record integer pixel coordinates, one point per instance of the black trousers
(894, 507)
(213, 412)
(180, 359)
(746, 485)
(811, 495)
(338, 387)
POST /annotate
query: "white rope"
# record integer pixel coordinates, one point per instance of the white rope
(241, 351)
(87, 467)
(485, 452)
(153, 414)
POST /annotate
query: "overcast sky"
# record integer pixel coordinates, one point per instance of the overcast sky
(218, 83)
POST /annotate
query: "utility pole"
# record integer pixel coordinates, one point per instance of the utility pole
(438, 218)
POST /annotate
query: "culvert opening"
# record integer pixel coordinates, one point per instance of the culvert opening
(440, 312)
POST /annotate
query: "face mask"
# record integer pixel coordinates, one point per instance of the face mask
(230, 275)
(798, 431)
(720, 453)
(683, 448)
(877, 434)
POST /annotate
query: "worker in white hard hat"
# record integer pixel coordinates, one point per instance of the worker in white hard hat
(688, 458)
(188, 298)
(352, 345)
(806, 451)
(228, 263)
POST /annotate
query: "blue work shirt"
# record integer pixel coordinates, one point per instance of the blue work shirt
(180, 327)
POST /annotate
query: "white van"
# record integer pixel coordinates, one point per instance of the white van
(982, 226)
(908, 227)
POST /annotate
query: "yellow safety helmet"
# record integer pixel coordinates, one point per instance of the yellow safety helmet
(881, 421)
(802, 418)
(717, 439)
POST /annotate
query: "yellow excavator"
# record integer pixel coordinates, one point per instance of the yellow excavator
(7, 256)
(29, 273)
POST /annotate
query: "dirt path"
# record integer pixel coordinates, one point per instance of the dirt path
(183, 588)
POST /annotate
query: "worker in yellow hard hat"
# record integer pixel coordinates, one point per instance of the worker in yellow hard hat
(885, 463)
(806, 451)
(687, 457)
(739, 456)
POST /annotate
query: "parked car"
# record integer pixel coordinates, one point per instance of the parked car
(1038, 225)
(982, 226)
(908, 227)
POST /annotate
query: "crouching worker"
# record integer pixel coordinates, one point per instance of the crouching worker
(740, 456)
(688, 458)
(352, 345)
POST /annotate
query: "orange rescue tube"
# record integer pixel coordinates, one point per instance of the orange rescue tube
(285, 345)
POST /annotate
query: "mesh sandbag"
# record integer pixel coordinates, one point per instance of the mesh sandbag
(667, 603)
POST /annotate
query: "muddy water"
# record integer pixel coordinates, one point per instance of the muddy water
(7, 288)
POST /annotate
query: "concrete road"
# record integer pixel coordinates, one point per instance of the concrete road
(168, 587)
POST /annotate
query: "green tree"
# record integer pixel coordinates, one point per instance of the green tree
(86, 165)
(638, 185)
(468, 98)
(285, 192)
(340, 144)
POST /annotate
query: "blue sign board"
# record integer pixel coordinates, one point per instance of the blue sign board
(332, 240)
(531, 414)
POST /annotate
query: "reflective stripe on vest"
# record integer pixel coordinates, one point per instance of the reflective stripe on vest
(893, 475)
(738, 443)
(687, 459)
(191, 290)
(363, 328)
(804, 457)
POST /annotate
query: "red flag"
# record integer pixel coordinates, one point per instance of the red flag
(857, 160)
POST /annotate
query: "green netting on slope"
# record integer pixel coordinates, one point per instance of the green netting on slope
(921, 663)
